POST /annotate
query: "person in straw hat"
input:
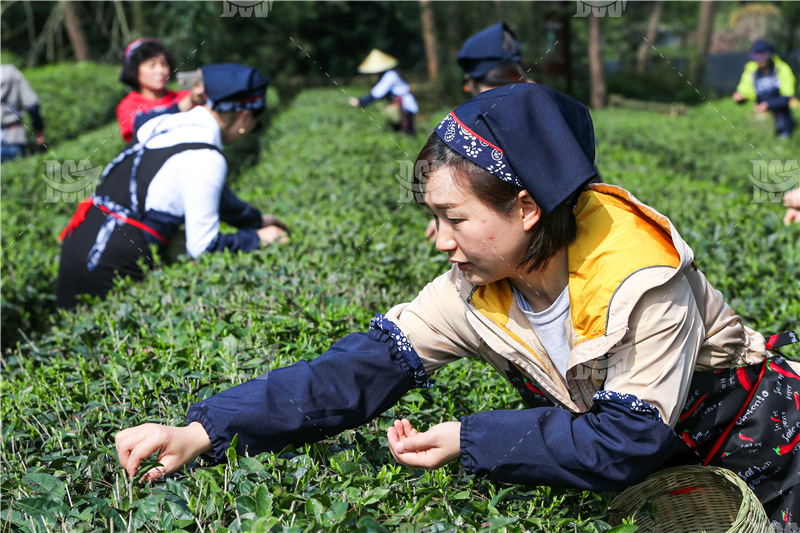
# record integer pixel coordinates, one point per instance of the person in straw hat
(391, 85)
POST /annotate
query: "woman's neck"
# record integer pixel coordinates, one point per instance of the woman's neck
(542, 288)
(151, 94)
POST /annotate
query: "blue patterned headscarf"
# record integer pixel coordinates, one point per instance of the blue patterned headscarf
(528, 135)
(234, 87)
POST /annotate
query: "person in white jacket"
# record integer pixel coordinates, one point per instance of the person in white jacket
(172, 175)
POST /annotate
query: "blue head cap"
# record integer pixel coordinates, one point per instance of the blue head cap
(488, 49)
(529, 135)
(761, 50)
(234, 87)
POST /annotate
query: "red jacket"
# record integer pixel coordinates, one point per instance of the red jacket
(136, 109)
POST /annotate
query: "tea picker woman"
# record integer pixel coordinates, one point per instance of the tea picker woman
(172, 175)
(392, 85)
(585, 299)
(146, 68)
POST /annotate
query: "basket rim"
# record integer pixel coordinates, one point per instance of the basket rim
(750, 513)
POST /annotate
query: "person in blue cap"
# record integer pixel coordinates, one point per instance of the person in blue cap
(171, 175)
(769, 82)
(585, 299)
(491, 58)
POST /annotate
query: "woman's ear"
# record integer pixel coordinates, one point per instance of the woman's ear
(241, 117)
(530, 210)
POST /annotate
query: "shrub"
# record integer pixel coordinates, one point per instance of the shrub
(76, 98)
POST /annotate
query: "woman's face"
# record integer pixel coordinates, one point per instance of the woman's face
(153, 75)
(486, 245)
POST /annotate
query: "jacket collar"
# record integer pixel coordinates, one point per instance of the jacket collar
(623, 248)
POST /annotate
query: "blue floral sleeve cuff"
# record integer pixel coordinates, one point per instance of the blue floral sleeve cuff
(628, 400)
(404, 352)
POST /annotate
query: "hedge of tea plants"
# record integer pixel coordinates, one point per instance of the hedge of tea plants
(194, 328)
(75, 98)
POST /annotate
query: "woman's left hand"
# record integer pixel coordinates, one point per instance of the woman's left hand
(434, 448)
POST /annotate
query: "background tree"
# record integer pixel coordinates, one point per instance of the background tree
(74, 30)
(705, 26)
(596, 70)
(650, 37)
(429, 38)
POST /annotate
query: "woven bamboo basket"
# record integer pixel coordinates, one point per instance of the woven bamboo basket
(692, 499)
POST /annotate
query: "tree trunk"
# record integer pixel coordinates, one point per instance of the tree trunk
(652, 33)
(75, 32)
(498, 6)
(704, 28)
(566, 44)
(429, 38)
(139, 24)
(597, 74)
(123, 22)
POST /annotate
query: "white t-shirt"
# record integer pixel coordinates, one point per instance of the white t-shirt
(549, 326)
(190, 183)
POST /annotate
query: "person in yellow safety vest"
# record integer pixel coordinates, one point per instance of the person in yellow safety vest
(771, 83)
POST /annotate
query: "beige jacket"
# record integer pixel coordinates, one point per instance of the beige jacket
(642, 320)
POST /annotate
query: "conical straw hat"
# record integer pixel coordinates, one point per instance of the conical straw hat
(377, 62)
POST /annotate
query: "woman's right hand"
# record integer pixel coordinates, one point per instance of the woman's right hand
(176, 447)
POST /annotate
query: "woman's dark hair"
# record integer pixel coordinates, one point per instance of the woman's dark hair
(552, 232)
(145, 51)
(504, 74)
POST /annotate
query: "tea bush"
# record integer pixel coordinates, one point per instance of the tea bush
(195, 328)
(76, 97)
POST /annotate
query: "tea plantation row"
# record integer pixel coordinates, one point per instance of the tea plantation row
(92, 98)
(198, 327)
